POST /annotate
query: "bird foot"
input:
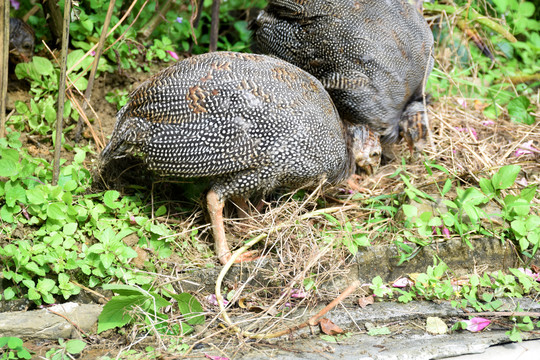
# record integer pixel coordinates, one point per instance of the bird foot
(245, 257)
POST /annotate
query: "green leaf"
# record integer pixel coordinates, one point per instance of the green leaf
(379, 331)
(109, 199)
(44, 286)
(57, 211)
(36, 196)
(518, 110)
(70, 228)
(124, 290)
(519, 227)
(447, 186)
(14, 342)
(9, 293)
(190, 307)
(8, 167)
(42, 65)
(410, 211)
(116, 312)
(75, 346)
(505, 177)
(14, 193)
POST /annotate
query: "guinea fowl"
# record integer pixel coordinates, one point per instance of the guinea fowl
(249, 123)
(372, 56)
(21, 40)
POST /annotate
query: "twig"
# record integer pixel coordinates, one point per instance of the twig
(61, 93)
(153, 23)
(68, 320)
(100, 142)
(237, 253)
(214, 26)
(4, 59)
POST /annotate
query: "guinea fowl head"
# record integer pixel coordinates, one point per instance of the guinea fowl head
(365, 148)
(21, 40)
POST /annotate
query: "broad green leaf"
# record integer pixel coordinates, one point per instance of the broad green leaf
(116, 312)
(519, 227)
(15, 193)
(379, 331)
(190, 307)
(57, 211)
(75, 346)
(8, 167)
(45, 285)
(9, 293)
(109, 199)
(410, 211)
(124, 290)
(70, 228)
(42, 65)
(505, 177)
(36, 196)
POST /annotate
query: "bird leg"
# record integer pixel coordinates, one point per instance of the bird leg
(215, 210)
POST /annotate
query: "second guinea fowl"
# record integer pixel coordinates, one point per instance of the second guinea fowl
(249, 123)
(21, 41)
(372, 56)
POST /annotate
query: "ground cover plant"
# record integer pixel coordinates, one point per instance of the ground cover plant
(137, 239)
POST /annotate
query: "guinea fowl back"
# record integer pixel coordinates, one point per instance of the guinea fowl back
(225, 114)
(371, 55)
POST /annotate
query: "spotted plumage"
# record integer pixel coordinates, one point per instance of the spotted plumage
(250, 123)
(372, 56)
(21, 40)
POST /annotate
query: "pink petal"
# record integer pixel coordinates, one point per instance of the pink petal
(214, 357)
(446, 232)
(528, 146)
(173, 54)
(15, 4)
(529, 272)
(522, 182)
(488, 123)
(298, 294)
(132, 220)
(402, 282)
(473, 133)
(462, 102)
(520, 152)
(477, 324)
(212, 299)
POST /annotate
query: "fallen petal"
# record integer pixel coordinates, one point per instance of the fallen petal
(215, 357)
(488, 122)
(212, 300)
(477, 324)
(402, 282)
(298, 294)
(173, 54)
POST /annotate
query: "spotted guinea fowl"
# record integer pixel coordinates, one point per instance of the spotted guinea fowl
(21, 40)
(249, 123)
(372, 56)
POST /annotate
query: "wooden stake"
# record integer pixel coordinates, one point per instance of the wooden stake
(4, 59)
(61, 93)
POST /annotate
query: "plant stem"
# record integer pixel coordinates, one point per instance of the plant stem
(61, 93)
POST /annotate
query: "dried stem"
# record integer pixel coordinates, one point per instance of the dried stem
(4, 59)
(61, 93)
